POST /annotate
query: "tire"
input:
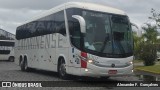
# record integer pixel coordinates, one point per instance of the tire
(24, 66)
(11, 59)
(62, 69)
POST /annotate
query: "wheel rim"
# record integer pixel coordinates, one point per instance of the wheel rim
(25, 65)
(62, 69)
(21, 63)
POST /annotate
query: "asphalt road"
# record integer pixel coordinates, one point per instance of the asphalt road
(11, 72)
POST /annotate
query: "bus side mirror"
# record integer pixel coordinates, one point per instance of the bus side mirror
(132, 24)
(82, 23)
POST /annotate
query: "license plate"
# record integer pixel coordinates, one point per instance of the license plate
(112, 72)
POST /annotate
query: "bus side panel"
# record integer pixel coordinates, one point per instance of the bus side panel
(17, 52)
(62, 49)
(47, 55)
(4, 57)
(74, 64)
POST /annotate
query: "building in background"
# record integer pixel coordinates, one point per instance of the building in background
(4, 35)
(7, 41)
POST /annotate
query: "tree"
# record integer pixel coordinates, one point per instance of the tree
(145, 47)
(150, 34)
(148, 50)
(138, 44)
(155, 17)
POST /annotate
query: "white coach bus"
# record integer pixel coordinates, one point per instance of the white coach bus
(77, 38)
(7, 50)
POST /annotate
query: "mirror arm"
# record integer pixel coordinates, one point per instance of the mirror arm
(81, 21)
(135, 25)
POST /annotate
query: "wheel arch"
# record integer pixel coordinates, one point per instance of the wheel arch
(25, 57)
(59, 59)
(11, 57)
(20, 59)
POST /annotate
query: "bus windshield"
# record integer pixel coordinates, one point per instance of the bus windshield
(107, 34)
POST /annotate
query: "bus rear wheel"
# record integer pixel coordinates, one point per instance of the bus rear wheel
(62, 69)
(24, 65)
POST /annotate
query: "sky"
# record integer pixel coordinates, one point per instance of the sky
(15, 12)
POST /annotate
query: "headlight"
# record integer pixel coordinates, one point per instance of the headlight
(86, 70)
(132, 71)
(90, 61)
(129, 63)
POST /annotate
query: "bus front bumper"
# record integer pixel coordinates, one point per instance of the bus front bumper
(95, 71)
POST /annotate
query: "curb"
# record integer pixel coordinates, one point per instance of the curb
(147, 71)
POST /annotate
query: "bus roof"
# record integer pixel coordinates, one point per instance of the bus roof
(82, 5)
(95, 7)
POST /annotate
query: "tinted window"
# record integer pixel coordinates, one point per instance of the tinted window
(5, 47)
(60, 23)
(74, 27)
(4, 51)
(53, 23)
(3, 43)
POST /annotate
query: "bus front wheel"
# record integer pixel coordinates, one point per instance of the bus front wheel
(62, 69)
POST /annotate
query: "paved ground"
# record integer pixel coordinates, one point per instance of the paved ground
(11, 72)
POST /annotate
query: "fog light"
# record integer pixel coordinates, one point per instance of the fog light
(86, 70)
(90, 61)
(131, 62)
(132, 71)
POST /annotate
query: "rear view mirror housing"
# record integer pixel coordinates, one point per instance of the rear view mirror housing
(82, 23)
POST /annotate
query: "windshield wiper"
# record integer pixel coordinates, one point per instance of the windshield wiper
(105, 42)
(120, 47)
